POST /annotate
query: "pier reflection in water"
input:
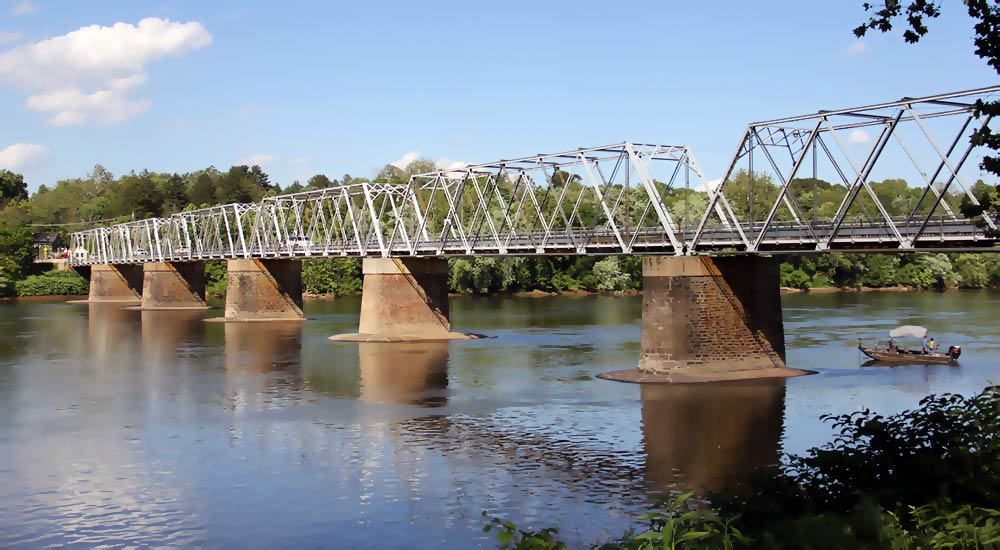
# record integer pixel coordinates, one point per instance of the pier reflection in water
(710, 437)
(263, 364)
(409, 373)
(168, 336)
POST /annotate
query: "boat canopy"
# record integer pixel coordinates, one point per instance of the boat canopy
(908, 330)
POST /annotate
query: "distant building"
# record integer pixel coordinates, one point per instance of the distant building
(48, 244)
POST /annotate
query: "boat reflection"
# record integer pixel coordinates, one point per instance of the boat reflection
(710, 437)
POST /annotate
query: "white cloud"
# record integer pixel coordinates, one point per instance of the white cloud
(406, 159)
(176, 124)
(858, 136)
(22, 156)
(9, 37)
(710, 185)
(262, 159)
(73, 107)
(90, 74)
(858, 47)
(445, 163)
(23, 8)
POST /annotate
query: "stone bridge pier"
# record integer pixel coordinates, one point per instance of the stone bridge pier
(264, 290)
(113, 283)
(404, 300)
(169, 286)
(710, 319)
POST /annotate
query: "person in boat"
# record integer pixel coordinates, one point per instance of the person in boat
(892, 344)
(926, 345)
(932, 344)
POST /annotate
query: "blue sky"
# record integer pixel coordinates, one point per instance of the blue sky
(335, 88)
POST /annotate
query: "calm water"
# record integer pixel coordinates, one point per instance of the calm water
(122, 428)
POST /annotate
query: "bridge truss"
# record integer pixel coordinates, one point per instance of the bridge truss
(841, 154)
(799, 184)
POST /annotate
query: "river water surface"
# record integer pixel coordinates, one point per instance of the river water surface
(121, 428)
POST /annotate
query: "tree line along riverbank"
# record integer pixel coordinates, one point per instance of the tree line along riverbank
(19, 276)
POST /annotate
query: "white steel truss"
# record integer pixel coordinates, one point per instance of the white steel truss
(596, 200)
(624, 198)
(852, 145)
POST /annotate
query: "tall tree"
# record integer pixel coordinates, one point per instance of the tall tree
(16, 251)
(202, 192)
(12, 187)
(100, 175)
(174, 193)
(241, 184)
(319, 181)
(260, 178)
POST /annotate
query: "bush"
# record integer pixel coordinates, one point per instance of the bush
(215, 279)
(972, 271)
(336, 277)
(951, 444)
(7, 287)
(609, 275)
(53, 283)
(795, 278)
(924, 478)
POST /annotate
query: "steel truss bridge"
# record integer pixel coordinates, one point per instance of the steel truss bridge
(625, 198)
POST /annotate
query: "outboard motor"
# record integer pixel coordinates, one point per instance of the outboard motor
(954, 352)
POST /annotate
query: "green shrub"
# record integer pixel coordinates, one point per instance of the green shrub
(924, 478)
(7, 287)
(609, 276)
(972, 270)
(947, 449)
(335, 277)
(795, 278)
(53, 283)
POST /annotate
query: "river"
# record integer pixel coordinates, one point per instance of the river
(125, 428)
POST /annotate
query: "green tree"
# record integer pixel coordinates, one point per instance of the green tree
(241, 184)
(16, 251)
(202, 192)
(609, 274)
(12, 187)
(972, 270)
(319, 181)
(261, 179)
(174, 193)
(135, 195)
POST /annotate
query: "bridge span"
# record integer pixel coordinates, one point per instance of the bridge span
(711, 308)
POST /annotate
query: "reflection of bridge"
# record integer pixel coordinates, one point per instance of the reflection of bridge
(624, 198)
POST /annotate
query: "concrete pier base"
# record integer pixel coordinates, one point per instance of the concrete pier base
(121, 283)
(170, 286)
(404, 300)
(710, 319)
(263, 290)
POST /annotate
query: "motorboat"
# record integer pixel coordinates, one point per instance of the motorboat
(893, 353)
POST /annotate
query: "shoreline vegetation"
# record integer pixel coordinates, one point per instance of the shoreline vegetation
(590, 276)
(923, 478)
